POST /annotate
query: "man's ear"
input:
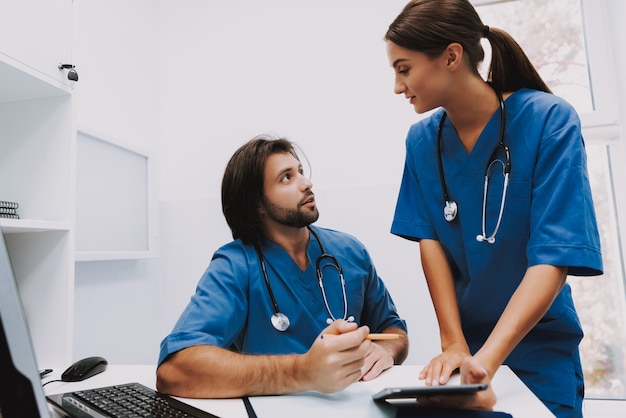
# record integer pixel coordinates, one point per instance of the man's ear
(453, 55)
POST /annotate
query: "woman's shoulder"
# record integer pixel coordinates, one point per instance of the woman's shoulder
(546, 109)
(425, 128)
(428, 123)
(536, 99)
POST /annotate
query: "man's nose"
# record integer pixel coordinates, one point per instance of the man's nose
(306, 182)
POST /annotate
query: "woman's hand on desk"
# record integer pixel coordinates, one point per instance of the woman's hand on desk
(440, 368)
(472, 371)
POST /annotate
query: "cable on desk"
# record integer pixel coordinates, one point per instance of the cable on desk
(249, 408)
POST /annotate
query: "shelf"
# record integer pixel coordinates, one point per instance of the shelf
(20, 226)
(113, 255)
(26, 83)
(37, 167)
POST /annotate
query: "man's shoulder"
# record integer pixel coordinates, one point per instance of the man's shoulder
(234, 248)
(334, 236)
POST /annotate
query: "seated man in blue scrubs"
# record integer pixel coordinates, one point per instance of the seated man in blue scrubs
(286, 306)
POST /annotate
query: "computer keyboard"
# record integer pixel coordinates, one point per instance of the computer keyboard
(122, 401)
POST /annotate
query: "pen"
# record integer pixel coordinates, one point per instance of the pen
(386, 336)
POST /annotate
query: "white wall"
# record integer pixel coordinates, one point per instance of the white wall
(316, 72)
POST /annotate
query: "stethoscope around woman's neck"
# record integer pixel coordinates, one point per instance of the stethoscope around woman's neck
(450, 208)
(279, 320)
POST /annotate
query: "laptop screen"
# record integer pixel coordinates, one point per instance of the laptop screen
(22, 394)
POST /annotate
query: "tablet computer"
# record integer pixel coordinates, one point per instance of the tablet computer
(407, 392)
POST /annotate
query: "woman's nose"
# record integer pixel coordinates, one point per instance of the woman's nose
(398, 87)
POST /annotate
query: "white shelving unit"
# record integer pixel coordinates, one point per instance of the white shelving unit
(37, 167)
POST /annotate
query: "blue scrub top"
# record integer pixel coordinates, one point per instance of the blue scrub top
(548, 219)
(232, 306)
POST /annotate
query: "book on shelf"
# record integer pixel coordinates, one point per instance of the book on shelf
(8, 204)
(8, 210)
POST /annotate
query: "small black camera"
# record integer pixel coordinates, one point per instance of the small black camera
(71, 74)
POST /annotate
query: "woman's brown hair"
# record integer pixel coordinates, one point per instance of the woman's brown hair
(429, 26)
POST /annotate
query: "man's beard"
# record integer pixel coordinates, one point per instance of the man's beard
(291, 217)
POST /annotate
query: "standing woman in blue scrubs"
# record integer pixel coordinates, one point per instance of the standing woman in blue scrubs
(496, 191)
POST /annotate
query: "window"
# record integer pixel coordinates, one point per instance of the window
(566, 42)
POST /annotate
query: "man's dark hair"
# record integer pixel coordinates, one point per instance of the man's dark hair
(242, 185)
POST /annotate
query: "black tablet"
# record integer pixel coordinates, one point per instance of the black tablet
(408, 392)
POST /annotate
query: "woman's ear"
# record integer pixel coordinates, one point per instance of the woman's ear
(454, 55)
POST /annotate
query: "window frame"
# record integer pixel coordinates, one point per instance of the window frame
(602, 124)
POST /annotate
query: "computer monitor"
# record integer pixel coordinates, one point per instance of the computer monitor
(21, 394)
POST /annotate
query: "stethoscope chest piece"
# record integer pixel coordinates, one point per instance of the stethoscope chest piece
(450, 210)
(280, 321)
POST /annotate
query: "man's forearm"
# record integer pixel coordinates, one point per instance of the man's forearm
(330, 365)
(205, 371)
(399, 348)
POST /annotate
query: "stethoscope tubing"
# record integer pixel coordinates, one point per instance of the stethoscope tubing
(279, 320)
(450, 206)
(267, 281)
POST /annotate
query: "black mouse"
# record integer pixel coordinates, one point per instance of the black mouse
(84, 369)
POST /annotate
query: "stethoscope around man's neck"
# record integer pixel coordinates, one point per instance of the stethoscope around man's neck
(279, 320)
(450, 208)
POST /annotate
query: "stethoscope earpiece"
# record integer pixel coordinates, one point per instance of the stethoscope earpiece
(481, 238)
(349, 319)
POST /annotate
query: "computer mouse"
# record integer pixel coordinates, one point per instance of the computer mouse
(84, 369)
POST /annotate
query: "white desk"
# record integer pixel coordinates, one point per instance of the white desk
(355, 401)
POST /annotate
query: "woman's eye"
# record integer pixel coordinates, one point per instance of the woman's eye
(403, 71)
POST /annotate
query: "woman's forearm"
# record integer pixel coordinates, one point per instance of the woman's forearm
(529, 303)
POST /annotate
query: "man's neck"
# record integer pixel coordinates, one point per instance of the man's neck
(293, 240)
